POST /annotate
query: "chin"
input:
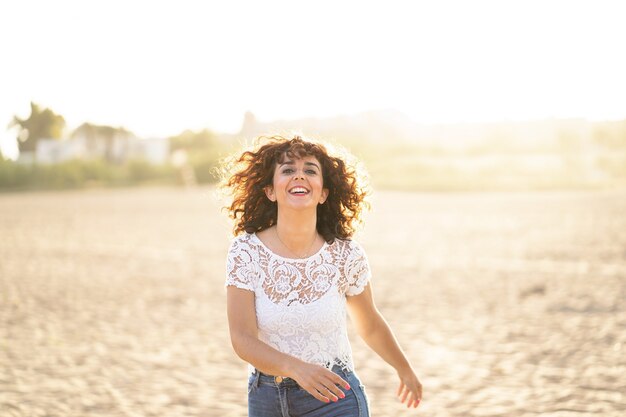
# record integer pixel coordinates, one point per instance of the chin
(303, 205)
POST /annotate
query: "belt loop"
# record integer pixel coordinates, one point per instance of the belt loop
(257, 375)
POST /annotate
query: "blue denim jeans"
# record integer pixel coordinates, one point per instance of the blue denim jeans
(269, 398)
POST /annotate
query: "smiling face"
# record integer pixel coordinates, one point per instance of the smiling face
(298, 183)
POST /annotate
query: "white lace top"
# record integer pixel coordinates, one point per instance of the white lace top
(301, 303)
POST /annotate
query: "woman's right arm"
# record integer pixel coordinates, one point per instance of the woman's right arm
(315, 379)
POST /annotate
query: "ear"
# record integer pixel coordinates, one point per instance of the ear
(324, 195)
(269, 192)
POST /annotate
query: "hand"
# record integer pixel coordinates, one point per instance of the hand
(410, 389)
(319, 382)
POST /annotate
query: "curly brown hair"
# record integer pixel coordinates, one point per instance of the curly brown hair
(246, 176)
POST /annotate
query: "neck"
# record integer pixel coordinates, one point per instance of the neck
(297, 229)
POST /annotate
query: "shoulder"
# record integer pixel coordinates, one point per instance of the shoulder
(243, 237)
(348, 248)
(352, 245)
(242, 242)
(356, 267)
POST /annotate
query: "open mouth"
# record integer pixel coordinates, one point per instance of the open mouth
(298, 191)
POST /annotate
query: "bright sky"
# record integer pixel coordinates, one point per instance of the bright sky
(159, 67)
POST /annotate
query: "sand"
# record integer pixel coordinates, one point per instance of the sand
(508, 304)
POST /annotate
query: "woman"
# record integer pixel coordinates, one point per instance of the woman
(292, 270)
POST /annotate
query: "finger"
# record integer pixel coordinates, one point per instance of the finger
(406, 393)
(400, 388)
(330, 390)
(410, 401)
(415, 399)
(327, 393)
(403, 388)
(327, 387)
(315, 393)
(335, 390)
(335, 383)
(337, 380)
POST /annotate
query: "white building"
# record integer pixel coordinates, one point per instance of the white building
(153, 150)
(52, 151)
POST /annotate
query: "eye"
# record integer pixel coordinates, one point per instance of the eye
(287, 171)
(311, 171)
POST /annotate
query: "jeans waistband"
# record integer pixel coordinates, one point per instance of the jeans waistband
(261, 378)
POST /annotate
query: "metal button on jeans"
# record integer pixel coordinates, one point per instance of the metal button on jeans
(278, 379)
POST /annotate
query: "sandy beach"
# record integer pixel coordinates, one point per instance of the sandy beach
(508, 304)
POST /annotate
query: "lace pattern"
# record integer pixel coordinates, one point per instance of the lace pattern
(301, 303)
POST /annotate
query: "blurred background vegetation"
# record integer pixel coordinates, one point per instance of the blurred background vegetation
(547, 154)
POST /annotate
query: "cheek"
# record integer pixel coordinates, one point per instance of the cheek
(319, 183)
(278, 180)
(281, 183)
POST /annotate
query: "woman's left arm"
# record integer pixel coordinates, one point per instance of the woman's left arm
(375, 331)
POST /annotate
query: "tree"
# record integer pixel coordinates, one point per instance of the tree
(201, 141)
(202, 148)
(41, 124)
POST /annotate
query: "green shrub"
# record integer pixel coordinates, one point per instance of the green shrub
(80, 173)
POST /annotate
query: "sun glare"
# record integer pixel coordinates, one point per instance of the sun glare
(201, 65)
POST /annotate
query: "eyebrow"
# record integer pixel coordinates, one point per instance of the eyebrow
(290, 162)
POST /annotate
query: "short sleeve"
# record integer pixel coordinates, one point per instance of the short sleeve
(357, 269)
(241, 265)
